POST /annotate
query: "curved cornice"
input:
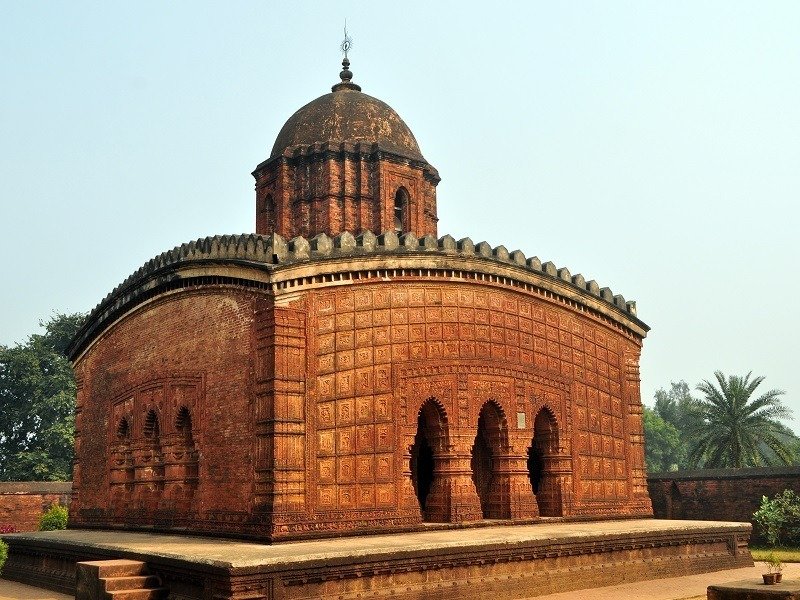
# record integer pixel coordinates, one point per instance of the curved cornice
(271, 263)
(348, 150)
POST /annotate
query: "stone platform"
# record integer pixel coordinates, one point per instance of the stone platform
(749, 589)
(471, 563)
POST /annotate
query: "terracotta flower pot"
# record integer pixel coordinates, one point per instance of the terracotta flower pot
(778, 577)
(770, 578)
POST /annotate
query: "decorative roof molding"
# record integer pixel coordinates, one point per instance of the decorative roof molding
(350, 150)
(271, 253)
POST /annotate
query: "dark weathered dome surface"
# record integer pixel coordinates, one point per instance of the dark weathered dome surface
(348, 115)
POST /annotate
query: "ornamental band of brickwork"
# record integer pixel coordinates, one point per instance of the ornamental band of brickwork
(343, 383)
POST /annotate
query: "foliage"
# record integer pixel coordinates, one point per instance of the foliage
(774, 564)
(3, 554)
(37, 404)
(664, 450)
(779, 518)
(698, 423)
(731, 429)
(666, 443)
(675, 406)
(7, 529)
(786, 554)
(54, 518)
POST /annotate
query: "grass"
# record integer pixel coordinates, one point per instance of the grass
(788, 554)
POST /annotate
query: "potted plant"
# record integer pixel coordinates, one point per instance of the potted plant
(774, 568)
(777, 568)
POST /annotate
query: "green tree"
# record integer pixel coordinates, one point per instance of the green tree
(675, 405)
(664, 450)
(733, 429)
(37, 404)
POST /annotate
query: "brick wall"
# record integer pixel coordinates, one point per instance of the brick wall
(326, 192)
(718, 494)
(22, 503)
(169, 426)
(347, 396)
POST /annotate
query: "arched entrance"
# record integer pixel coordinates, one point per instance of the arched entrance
(430, 440)
(490, 441)
(541, 462)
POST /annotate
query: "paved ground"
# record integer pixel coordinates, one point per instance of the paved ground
(676, 588)
(11, 590)
(236, 553)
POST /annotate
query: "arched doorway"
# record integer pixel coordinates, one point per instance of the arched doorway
(490, 441)
(541, 457)
(430, 439)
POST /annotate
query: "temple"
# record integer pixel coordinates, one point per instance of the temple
(346, 370)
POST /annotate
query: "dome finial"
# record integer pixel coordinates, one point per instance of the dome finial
(346, 75)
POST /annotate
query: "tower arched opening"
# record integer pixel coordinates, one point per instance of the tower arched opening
(401, 201)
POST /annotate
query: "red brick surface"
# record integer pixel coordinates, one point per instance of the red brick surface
(304, 414)
(191, 351)
(325, 192)
(720, 494)
(21, 504)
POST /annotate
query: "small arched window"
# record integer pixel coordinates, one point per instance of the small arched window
(269, 205)
(401, 210)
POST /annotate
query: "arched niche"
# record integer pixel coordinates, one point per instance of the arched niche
(430, 442)
(542, 463)
(122, 466)
(491, 440)
(151, 432)
(186, 453)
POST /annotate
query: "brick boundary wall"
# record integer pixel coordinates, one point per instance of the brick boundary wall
(23, 502)
(719, 494)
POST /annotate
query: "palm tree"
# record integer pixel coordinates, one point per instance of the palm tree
(730, 429)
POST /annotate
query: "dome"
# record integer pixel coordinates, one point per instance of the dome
(348, 115)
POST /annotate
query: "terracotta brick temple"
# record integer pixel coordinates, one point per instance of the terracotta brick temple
(455, 407)
(344, 370)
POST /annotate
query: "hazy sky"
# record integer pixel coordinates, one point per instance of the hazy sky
(652, 146)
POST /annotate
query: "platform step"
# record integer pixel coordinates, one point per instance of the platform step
(133, 582)
(119, 568)
(148, 594)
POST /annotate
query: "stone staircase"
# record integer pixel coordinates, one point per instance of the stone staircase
(117, 580)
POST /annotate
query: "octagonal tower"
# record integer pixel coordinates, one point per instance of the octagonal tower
(345, 162)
